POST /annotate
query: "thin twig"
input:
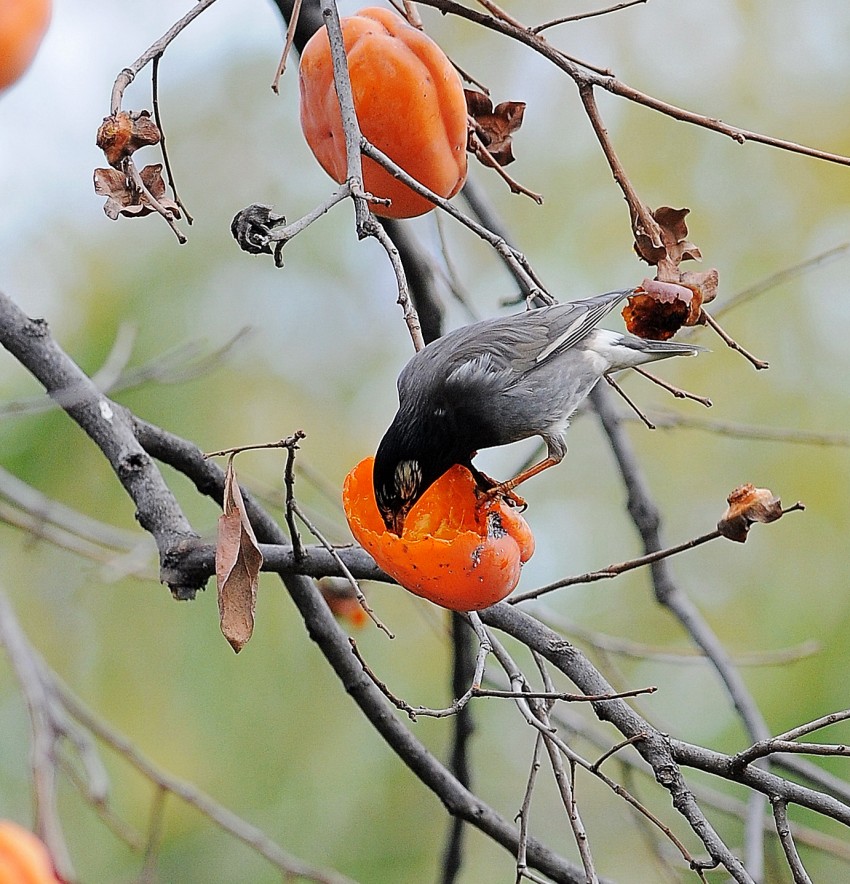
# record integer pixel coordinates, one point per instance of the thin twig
(486, 158)
(515, 259)
(525, 35)
(642, 221)
(629, 401)
(583, 15)
(158, 120)
(786, 839)
(289, 485)
(563, 695)
(130, 170)
(731, 343)
(790, 435)
(638, 562)
(525, 810)
(678, 392)
(361, 598)
(779, 278)
(287, 45)
(123, 80)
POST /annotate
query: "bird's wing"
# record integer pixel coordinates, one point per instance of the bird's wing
(522, 342)
(475, 359)
(568, 323)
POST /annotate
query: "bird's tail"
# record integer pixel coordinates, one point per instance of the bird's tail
(661, 349)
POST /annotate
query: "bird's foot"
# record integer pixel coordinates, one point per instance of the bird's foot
(498, 490)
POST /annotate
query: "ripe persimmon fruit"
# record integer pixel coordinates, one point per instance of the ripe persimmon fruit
(409, 102)
(22, 25)
(456, 550)
(23, 858)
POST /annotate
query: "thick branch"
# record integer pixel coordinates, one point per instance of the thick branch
(108, 424)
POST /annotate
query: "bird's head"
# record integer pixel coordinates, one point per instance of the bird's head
(410, 458)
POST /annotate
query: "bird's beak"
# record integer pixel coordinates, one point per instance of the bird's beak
(397, 525)
(395, 520)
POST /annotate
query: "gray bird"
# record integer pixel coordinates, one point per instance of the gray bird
(495, 382)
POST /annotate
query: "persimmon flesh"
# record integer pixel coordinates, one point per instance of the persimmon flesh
(456, 550)
(22, 25)
(409, 102)
(23, 858)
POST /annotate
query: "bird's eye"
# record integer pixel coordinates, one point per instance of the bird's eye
(408, 478)
(439, 411)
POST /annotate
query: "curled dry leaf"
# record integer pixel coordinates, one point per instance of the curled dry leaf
(703, 282)
(123, 197)
(237, 565)
(121, 134)
(675, 246)
(494, 127)
(748, 504)
(675, 297)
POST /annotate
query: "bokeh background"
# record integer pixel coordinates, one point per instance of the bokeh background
(270, 733)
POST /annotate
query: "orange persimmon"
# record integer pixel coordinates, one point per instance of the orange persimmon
(22, 25)
(409, 102)
(23, 858)
(455, 550)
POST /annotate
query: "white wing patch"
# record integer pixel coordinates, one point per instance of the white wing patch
(547, 351)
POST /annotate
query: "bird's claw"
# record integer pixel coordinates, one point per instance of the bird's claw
(511, 498)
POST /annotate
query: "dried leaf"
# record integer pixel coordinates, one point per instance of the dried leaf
(124, 198)
(703, 282)
(237, 565)
(675, 246)
(342, 600)
(748, 504)
(658, 310)
(121, 134)
(495, 127)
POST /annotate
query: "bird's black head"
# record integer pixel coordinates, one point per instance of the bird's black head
(415, 451)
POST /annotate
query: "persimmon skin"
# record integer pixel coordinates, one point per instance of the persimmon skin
(23, 858)
(409, 102)
(22, 25)
(454, 550)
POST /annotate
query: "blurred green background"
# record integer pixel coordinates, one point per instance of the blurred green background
(270, 733)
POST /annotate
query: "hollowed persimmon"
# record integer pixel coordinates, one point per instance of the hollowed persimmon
(409, 102)
(456, 550)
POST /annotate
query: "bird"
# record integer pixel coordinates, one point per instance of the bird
(494, 382)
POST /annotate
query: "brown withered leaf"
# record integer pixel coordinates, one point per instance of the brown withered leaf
(495, 127)
(237, 565)
(675, 246)
(657, 310)
(124, 198)
(748, 504)
(121, 134)
(703, 282)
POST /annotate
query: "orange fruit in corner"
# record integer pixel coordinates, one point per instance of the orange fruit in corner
(23, 858)
(454, 550)
(409, 102)
(22, 25)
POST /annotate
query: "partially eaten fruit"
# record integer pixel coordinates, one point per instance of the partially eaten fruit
(456, 550)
